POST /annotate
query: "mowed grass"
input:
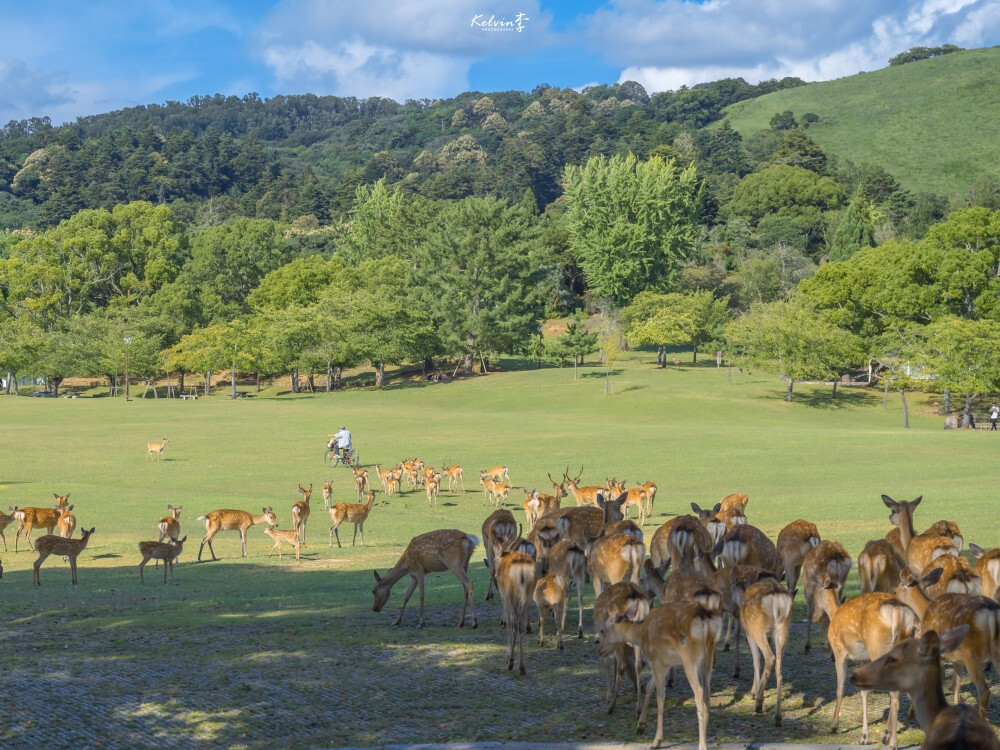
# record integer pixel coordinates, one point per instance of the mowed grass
(247, 653)
(909, 118)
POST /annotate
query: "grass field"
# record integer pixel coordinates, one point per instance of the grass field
(909, 118)
(249, 653)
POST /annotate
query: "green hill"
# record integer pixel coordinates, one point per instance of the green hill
(935, 124)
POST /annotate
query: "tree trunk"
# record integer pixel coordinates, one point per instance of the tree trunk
(660, 356)
(380, 375)
(694, 355)
(232, 380)
(428, 365)
(885, 395)
(295, 380)
(467, 365)
(311, 380)
(6, 388)
(788, 393)
(968, 420)
(338, 374)
(947, 401)
(56, 382)
(834, 395)
(257, 378)
(111, 385)
(329, 377)
(180, 381)
(906, 411)
(208, 383)
(574, 367)
(718, 360)
(486, 367)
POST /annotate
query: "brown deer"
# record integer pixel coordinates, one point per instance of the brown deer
(51, 544)
(614, 602)
(537, 504)
(732, 582)
(614, 559)
(584, 524)
(941, 528)
(383, 476)
(497, 473)
(494, 492)
(957, 577)
(709, 518)
(300, 513)
(66, 522)
(879, 565)
(684, 634)
(861, 629)
(433, 552)
(766, 611)
(583, 495)
(633, 497)
(987, 568)
(827, 560)
(567, 559)
(232, 520)
(747, 545)
(455, 476)
(678, 540)
(914, 667)
(156, 449)
(919, 550)
(650, 488)
(794, 542)
(499, 528)
(290, 536)
(170, 526)
(5, 521)
(736, 502)
(360, 482)
(515, 574)
(45, 518)
(552, 595)
(433, 489)
(328, 493)
(161, 551)
(356, 514)
(624, 527)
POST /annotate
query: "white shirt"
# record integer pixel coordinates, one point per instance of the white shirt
(994, 413)
(343, 439)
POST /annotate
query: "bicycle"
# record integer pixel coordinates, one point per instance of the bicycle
(349, 458)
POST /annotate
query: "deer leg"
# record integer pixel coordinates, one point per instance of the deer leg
(467, 595)
(956, 682)
(780, 636)
(354, 538)
(975, 671)
(841, 666)
(766, 675)
(420, 620)
(167, 564)
(406, 598)
(4, 537)
(738, 628)
(640, 725)
(509, 618)
(330, 540)
(755, 657)
(72, 569)
(728, 641)
(361, 528)
(660, 696)
(636, 668)
(889, 734)
(522, 628)
(579, 598)
(693, 672)
(141, 566)
(809, 618)
(243, 541)
(612, 674)
(563, 606)
(541, 626)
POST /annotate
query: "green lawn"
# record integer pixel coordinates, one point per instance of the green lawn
(246, 653)
(932, 123)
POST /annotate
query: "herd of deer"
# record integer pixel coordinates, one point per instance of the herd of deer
(714, 565)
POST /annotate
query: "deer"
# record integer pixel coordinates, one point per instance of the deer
(356, 514)
(161, 551)
(289, 536)
(919, 550)
(6, 519)
(427, 472)
(584, 524)
(232, 520)
(516, 575)
(394, 482)
(794, 542)
(957, 577)
(497, 473)
(747, 545)
(678, 540)
(300, 513)
(383, 476)
(66, 522)
(433, 552)
(914, 667)
(732, 582)
(567, 559)
(328, 493)
(987, 568)
(633, 497)
(454, 475)
(625, 526)
(583, 495)
(941, 528)
(433, 489)
(491, 488)
(360, 482)
(650, 488)
(685, 634)
(879, 565)
(50, 544)
(709, 518)
(827, 560)
(30, 517)
(614, 559)
(861, 629)
(552, 595)
(170, 526)
(156, 449)
(499, 528)
(613, 603)
(735, 502)
(766, 611)
(537, 504)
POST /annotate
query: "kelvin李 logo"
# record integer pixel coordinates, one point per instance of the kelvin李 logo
(493, 23)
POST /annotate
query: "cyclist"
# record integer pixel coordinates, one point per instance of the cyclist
(341, 442)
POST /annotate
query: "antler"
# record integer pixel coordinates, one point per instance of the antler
(549, 475)
(578, 475)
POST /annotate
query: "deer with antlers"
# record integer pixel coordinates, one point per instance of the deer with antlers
(50, 544)
(280, 537)
(46, 518)
(765, 613)
(232, 520)
(300, 513)
(156, 449)
(433, 552)
(455, 476)
(161, 551)
(356, 514)
(583, 495)
(914, 667)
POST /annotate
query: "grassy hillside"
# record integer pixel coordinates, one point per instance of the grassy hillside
(217, 658)
(933, 123)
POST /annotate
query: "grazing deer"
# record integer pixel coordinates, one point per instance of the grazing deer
(879, 565)
(300, 513)
(232, 520)
(919, 550)
(356, 514)
(614, 559)
(650, 488)
(552, 595)
(5, 521)
(583, 495)
(747, 545)
(570, 562)
(515, 574)
(679, 540)
(455, 476)
(170, 526)
(794, 542)
(328, 493)
(360, 482)
(161, 551)
(735, 502)
(766, 611)
(156, 449)
(614, 602)
(290, 536)
(30, 517)
(433, 488)
(685, 634)
(51, 544)
(826, 561)
(914, 667)
(957, 577)
(433, 552)
(861, 629)
(987, 568)
(499, 528)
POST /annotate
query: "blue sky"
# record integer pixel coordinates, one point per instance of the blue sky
(67, 59)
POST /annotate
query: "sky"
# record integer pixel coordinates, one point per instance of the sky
(69, 59)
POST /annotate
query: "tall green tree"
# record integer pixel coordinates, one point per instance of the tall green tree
(855, 230)
(578, 341)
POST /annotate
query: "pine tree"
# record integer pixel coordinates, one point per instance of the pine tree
(856, 229)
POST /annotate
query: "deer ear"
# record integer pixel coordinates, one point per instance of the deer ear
(184, 539)
(929, 644)
(647, 565)
(55, 495)
(92, 529)
(976, 550)
(719, 546)
(933, 577)
(889, 502)
(67, 496)
(717, 507)
(378, 578)
(70, 508)
(696, 508)
(916, 502)
(953, 638)
(169, 506)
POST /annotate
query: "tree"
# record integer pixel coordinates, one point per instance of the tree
(799, 150)
(799, 341)
(783, 189)
(631, 223)
(663, 320)
(855, 230)
(20, 341)
(783, 121)
(922, 53)
(963, 356)
(610, 338)
(578, 341)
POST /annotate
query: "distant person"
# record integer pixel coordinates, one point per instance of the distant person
(994, 416)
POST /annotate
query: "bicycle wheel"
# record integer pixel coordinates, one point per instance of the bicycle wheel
(355, 459)
(330, 459)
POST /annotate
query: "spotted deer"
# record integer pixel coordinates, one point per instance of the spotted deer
(516, 576)
(289, 536)
(552, 595)
(156, 449)
(433, 552)
(613, 559)
(987, 568)
(634, 497)
(455, 476)
(765, 613)
(794, 542)
(583, 495)
(360, 482)
(683, 540)
(497, 473)
(567, 559)
(51, 544)
(161, 551)
(957, 577)
(919, 550)
(747, 545)
(827, 560)
(328, 492)
(300, 513)
(232, 520)
(879, 565)
(30, 517)
(170, 526)
(356, 514)
(614, 602)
